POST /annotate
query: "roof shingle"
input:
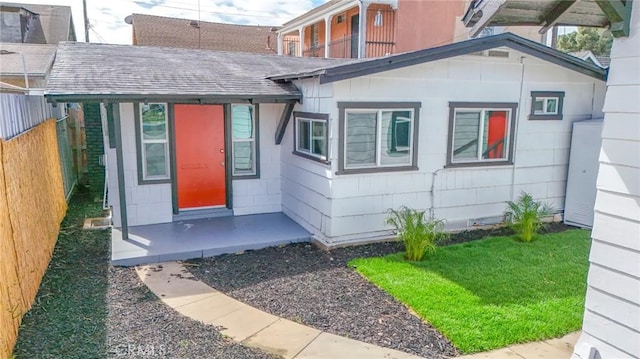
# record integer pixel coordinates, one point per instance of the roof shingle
(84, 71)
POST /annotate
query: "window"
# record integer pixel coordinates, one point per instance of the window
(244, 128)
(153, 142)
(546, 105)
(480, 133)
(378, 137)
(311, 139)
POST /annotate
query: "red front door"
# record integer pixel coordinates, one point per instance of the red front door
(199, 132)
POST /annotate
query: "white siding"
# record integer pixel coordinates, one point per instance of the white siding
(262, 195)
(461, 195)
(306, 184)
(146, 204)
(612, 314)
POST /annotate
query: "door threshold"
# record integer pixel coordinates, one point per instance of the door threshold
(202, 213)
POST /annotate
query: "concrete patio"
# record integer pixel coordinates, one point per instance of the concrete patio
(203, 238)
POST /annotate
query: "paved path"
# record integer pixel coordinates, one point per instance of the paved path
(180, 290)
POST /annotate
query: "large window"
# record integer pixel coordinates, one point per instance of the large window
(378, 136)
(153, 142)
(546, 105)
(311, 139)
(244, 128)
(480, 133)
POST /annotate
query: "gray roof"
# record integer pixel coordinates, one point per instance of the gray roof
(38, 59)
(339, 72)
(85, 71)
(56, 21)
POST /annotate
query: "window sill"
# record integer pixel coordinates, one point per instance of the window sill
(479, 164)
(545, 117)
(312, 158)
(376, 170)
(245, 177)
(142, 182)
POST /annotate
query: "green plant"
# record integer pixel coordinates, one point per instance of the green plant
(524, 216)
(419, 234)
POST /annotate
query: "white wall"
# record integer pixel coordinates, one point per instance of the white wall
(612, 309)
(359, 201)
(146, 204)
(306, 184)
(152, 203)
(262, 195)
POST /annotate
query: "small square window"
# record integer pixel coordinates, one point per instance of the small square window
(546, 105)
(311, 135)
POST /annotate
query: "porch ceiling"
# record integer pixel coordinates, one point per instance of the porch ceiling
(85, 71)
(546, 13)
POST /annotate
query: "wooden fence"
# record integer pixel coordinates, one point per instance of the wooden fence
(32, 206)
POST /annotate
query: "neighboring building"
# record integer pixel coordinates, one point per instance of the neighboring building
(456, 130)
(602, 61)
(337, 29)
(611, 327)
(149, 30)
(35, 24)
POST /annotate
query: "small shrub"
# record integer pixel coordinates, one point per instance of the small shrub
(524, 216)
(419, 234)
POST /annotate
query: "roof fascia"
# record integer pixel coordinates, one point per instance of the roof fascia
(457, 49)
(196, 99)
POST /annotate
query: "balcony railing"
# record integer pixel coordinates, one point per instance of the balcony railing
(345, 48)
(290, 47)
(314, 51)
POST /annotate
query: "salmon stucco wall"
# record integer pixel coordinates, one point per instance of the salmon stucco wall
(425, 24)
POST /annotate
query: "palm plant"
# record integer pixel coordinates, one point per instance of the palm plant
(419, 234)
(525, 216)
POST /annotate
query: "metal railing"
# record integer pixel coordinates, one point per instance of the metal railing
(291, 47)
(314, 51)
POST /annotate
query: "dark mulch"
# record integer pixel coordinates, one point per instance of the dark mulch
(305, 284)
(86, 308)
(476, 234)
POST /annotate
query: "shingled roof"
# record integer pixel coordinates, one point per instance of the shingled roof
(37, 59)
(86, 71)
(149, 30)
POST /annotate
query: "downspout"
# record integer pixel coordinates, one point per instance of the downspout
(515, 130)
(432, 193)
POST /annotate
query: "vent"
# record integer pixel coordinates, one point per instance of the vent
(340, 18)
(498, 53)
(485, 221)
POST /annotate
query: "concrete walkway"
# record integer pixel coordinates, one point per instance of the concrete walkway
(180, 290)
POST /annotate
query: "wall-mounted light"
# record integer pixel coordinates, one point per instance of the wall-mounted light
(377, 21)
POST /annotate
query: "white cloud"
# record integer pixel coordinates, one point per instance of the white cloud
(107, 17)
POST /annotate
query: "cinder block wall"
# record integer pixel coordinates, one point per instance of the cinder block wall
(95, 147)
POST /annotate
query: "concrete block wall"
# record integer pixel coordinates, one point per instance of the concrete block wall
(95, 147)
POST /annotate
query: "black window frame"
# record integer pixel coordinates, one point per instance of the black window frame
(511, 106)
(315, 117)
(553, 94)
(343, 107)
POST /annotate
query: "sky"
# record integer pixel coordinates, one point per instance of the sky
(106, 17)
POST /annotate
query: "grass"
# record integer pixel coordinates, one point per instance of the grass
(69, 314)
(495, 292)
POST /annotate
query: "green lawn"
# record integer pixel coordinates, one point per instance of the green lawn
(494, 292)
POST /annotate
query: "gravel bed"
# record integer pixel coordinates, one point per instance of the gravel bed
(139, 325)
(305, 284)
